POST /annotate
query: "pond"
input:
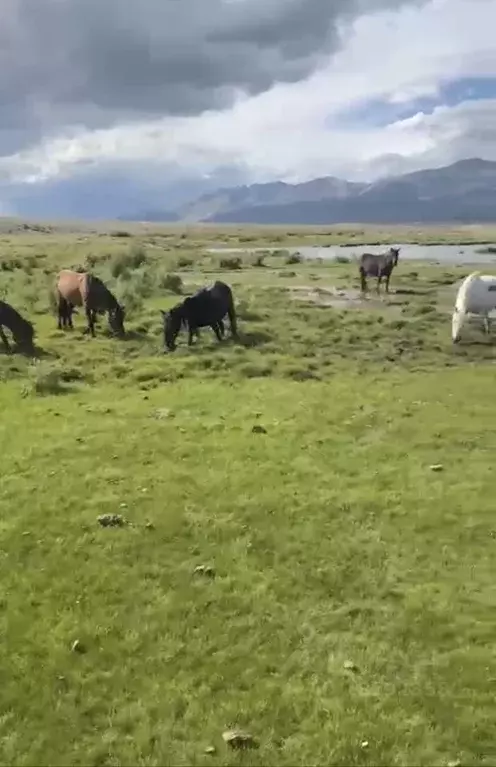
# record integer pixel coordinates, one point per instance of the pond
(443, 254)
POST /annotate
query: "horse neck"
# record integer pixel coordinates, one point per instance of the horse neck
(112, 302)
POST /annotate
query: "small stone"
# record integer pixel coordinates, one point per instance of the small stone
(364, 744)
(77, 647)
(150, 526)
(454, 763)
(238, 739)
(204, 570)
(259, 429)
(436, 467)
(163, 413)
(210, 750)
(111, 520)
(350, 666)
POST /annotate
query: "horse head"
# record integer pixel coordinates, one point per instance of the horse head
(24, 334)
(173, 321)
(395, 252)
(116, 317)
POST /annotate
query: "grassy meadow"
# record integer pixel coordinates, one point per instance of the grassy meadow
(307, 551)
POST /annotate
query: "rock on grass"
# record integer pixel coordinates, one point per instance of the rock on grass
(237, 739)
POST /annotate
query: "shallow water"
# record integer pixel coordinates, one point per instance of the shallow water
(443, 254)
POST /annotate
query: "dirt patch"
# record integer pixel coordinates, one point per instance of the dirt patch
(336, 297)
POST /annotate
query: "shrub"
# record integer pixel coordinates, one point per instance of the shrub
(184, 262)
(260, 260)
(120, 233)
(130, 259)
(294, 258)
(171, 282)
(91, 261)
(137, 255)
(43, 380)
(234, 262)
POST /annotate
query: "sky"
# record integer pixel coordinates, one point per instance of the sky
(111, 107)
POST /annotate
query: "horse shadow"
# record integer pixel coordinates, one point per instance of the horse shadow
(135, 335)
(408, 292)
(34, 352)
(253, 339)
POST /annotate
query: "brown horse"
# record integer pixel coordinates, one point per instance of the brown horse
(378, 265)
(84, 289)
(21, 329)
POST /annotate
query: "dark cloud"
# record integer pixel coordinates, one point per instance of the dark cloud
(96, 62)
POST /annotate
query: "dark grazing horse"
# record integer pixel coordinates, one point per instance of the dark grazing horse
(84, 289)
(207, 307)
(378, 265)
(21, 329)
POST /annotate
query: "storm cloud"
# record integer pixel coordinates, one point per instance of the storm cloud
(96, 63)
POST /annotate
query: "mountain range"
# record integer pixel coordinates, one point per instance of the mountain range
(464, 192)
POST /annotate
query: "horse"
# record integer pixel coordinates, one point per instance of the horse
(207, 307)
(84, 289)
(22, 330)
(476, 295)
(378, 265)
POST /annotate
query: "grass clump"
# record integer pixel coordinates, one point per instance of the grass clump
(172, 283)
(293, 258)
(128, 260)
(231, 263)
(45, 379)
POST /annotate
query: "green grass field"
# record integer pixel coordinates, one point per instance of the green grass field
(349, 617)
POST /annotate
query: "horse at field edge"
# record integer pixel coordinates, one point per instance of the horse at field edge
(207, 307)
(378, 265)
(84, 289)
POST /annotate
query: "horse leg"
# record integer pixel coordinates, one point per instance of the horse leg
(192, 330)
(231, 313)
(4, 339)
(379, 284)
(216, 328)
(61, 311)
(387, 283)
(222, 329)
(90, 317)
(487, 326)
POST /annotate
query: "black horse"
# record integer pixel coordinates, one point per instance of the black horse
(208, 307)
(378, 265)
(22, 330)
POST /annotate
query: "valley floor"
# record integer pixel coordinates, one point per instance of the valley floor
(349, 615)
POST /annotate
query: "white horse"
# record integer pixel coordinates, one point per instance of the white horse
(476, 295)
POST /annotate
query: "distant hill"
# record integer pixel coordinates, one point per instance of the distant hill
(464, 192)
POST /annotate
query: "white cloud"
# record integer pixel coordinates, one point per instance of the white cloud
(293, 131)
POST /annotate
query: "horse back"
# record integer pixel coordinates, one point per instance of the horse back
(73, 286)
(209, 305)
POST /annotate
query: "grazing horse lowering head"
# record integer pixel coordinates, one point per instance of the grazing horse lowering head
(173, 320)
(116, 317)
(24, 333)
